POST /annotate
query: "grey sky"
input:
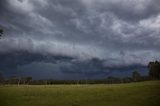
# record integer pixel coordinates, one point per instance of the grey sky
(118, 33)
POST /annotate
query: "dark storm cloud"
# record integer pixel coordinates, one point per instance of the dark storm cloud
(121, 34)
(128, 10)
(19, 58)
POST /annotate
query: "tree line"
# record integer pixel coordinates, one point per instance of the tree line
(30, 81)
(154, 74)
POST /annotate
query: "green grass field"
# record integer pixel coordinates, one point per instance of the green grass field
(133, 94)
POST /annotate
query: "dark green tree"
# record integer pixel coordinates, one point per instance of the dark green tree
(154, 70)
(1, 32)
(28, 80)
(136, 76)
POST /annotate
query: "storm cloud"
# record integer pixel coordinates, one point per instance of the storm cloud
(73, 37)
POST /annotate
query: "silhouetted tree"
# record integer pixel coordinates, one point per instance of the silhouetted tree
(1, 32)
(154, 70)
(136, 76)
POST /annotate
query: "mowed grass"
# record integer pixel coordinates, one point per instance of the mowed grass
(132, 94)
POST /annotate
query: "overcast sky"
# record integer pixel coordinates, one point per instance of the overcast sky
(77, 39)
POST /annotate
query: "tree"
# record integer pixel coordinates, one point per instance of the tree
(136, 76)
(13, 80)
(28, 80)
(25, 80)
(1, 32)
(154, 70)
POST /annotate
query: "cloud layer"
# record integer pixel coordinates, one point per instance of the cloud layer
(118, 33)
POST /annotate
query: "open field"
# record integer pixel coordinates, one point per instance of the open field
(133, 94)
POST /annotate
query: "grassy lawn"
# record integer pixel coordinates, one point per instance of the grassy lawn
(133, 94)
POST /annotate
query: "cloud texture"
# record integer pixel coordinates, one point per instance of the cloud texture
(117, 34)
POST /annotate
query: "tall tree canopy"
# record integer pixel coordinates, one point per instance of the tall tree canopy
(154, 70)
